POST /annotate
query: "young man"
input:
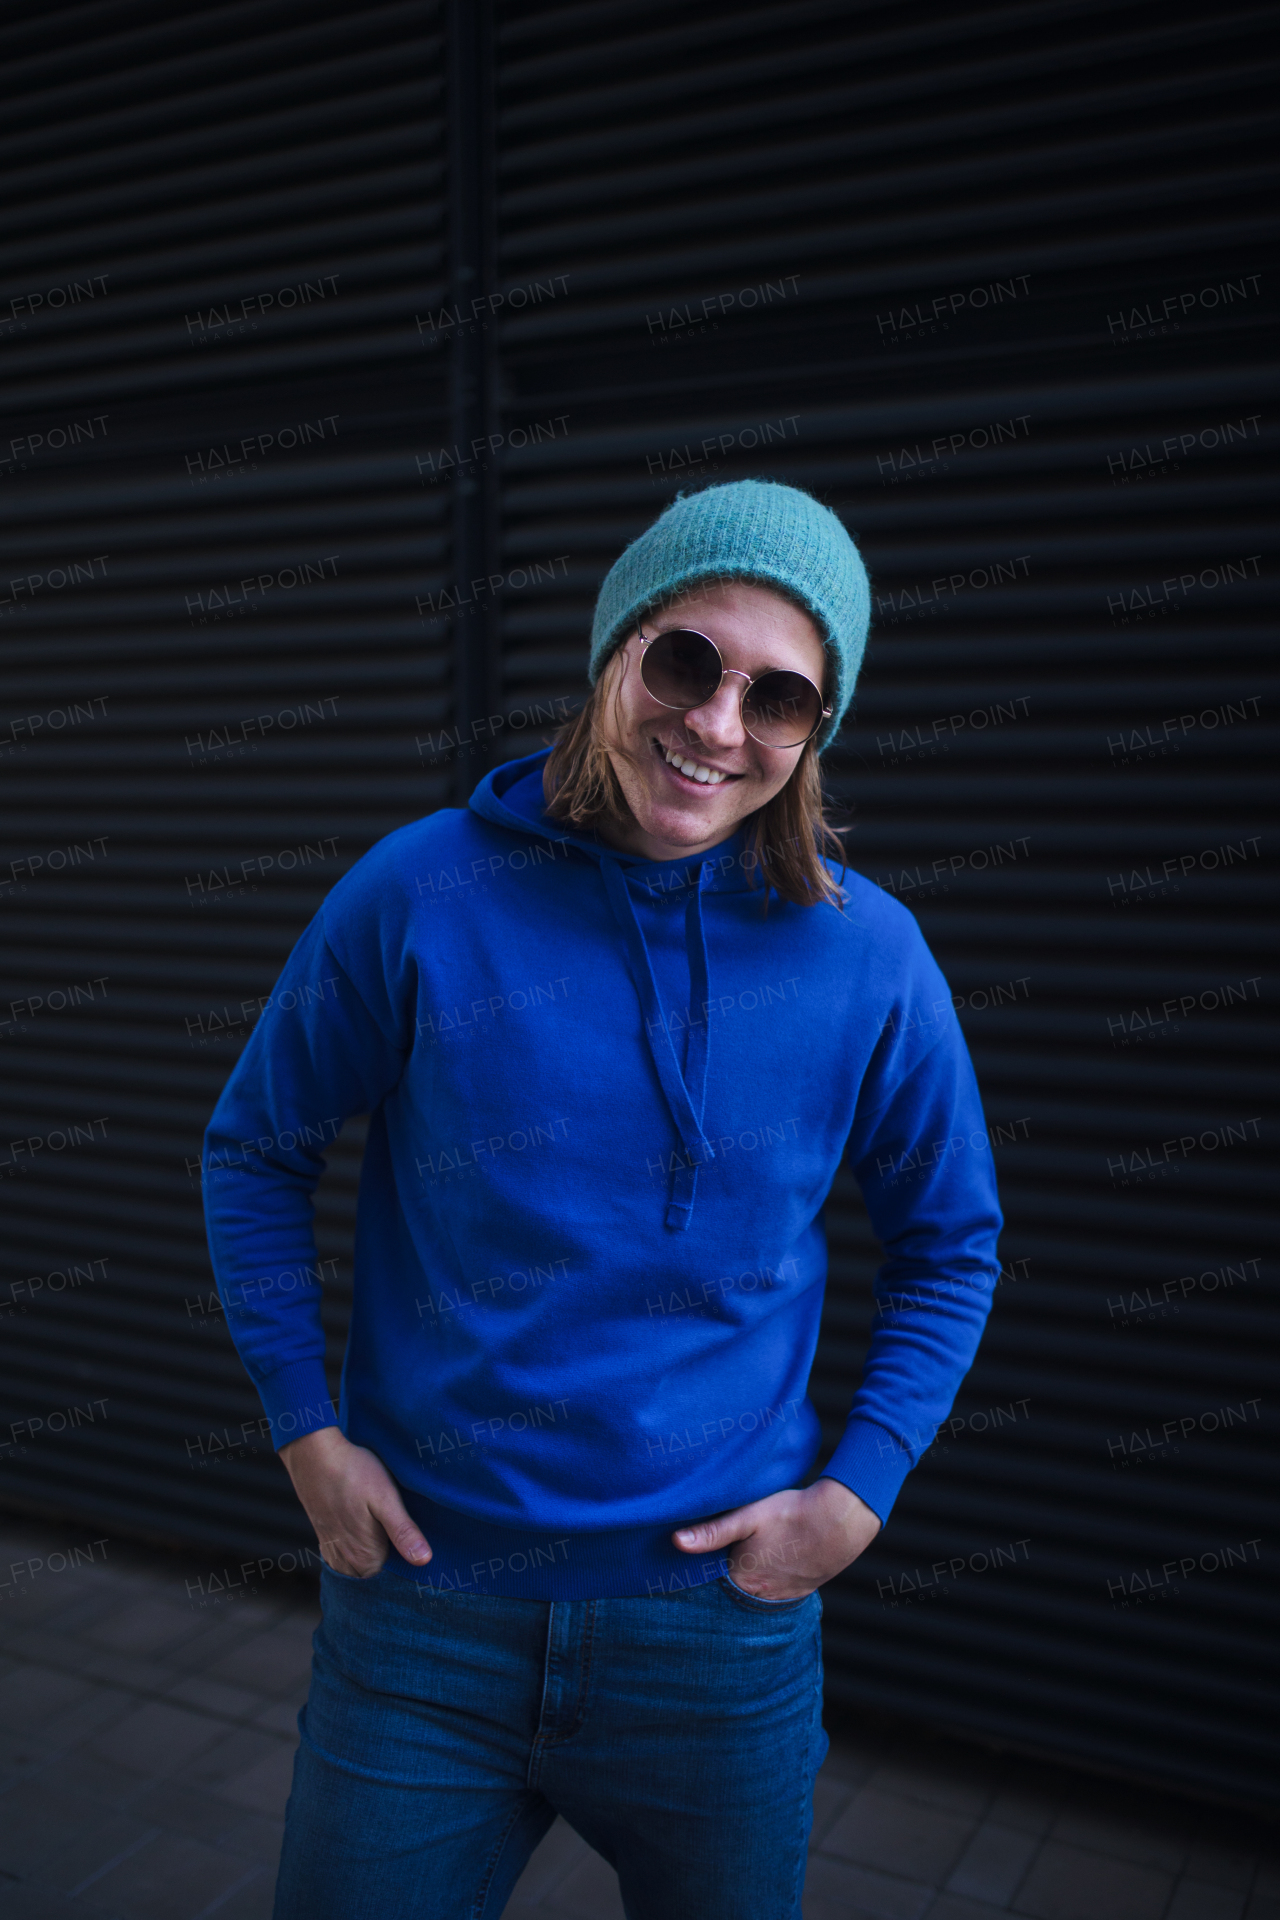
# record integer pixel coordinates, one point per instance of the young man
(615, 1024)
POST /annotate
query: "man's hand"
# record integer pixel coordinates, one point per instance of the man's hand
(352, 1502)
(790, 1543)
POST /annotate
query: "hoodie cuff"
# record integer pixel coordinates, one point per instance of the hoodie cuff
(872, 1463)
(296, 1401)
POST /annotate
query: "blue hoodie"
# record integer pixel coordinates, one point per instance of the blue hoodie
(608, 1098)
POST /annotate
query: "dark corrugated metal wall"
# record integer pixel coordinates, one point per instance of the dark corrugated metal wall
(220, 708)
(993, 283)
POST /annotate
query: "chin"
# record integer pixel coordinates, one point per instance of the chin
(689, 823)
(677, 829)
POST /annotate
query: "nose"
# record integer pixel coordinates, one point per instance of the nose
(718, 722)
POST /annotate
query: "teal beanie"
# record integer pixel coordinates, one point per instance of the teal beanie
(753, 530)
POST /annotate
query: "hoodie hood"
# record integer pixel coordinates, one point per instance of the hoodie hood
(511, 796)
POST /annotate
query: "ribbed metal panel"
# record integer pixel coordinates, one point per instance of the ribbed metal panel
(897, 261)
(223, 439)
(993, 283)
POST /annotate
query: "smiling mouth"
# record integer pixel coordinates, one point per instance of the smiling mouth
(690, 771)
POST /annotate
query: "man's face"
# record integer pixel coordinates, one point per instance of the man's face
(676, 814)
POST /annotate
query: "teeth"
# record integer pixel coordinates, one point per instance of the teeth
(705, 776)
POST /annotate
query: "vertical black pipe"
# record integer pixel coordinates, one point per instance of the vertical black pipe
(477, 686)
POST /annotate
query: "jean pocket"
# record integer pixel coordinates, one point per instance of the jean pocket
(352, 1579)
(754, 1603)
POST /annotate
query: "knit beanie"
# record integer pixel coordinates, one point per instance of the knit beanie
(753, 530)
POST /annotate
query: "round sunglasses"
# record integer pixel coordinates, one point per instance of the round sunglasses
(683, 669)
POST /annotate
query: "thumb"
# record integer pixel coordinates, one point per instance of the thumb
(389, 1510)
(709, 1536)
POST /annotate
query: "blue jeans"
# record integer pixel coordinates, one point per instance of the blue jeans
(679, 1735)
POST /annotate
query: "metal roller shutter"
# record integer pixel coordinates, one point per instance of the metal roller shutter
(992, 282)
(220, 687)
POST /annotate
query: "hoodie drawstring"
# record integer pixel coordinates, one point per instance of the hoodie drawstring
(686, 1097)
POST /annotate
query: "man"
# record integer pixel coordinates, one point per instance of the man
(615, 1024)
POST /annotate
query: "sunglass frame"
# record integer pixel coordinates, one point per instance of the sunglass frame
(790, 746)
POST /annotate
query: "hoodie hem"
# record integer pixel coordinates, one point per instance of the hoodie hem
(472, 1556)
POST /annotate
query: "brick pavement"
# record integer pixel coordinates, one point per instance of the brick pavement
(147, 1731)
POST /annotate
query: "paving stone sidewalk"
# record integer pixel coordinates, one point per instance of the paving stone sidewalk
(147, 1727)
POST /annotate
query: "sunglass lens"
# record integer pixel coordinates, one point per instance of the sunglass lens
(681, 669)
(781, 709)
